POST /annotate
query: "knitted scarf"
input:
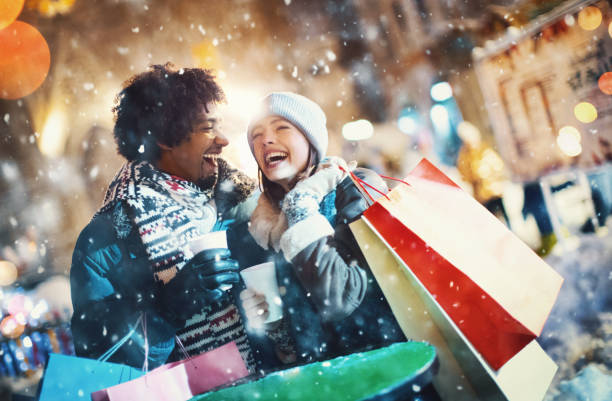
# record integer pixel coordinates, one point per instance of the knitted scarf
(168, 212)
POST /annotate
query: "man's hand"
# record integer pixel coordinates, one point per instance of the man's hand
(198, 283)
(214, 270)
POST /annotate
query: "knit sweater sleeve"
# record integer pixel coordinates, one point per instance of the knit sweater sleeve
(331, 268)
(108, 296)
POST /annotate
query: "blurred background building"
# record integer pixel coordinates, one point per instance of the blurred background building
(398, 79)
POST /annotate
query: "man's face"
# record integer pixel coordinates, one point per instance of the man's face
(195, 159)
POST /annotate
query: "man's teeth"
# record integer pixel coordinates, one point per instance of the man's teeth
(212, 157)
(275, 155)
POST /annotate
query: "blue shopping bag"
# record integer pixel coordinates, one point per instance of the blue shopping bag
(69, 378)
(72, 378)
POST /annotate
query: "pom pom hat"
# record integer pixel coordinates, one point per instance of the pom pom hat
(300, 111)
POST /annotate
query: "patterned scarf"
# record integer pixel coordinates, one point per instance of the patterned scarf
(168, 212)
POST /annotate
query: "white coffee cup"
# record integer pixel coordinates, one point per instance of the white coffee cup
(262, 278)
(211, 240)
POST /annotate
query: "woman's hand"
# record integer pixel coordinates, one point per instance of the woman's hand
(255, 307)
(337, 162)
(330, 172)
(303, 200)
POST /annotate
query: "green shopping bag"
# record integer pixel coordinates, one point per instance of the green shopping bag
(398, 371)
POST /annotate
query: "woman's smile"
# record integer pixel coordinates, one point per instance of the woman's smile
(273, 159)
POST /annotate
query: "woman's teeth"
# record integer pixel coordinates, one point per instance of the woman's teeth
(275, 157)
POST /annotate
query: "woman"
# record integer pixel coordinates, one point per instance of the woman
(332, 304)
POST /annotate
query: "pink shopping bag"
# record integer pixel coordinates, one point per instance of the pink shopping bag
(180, 381)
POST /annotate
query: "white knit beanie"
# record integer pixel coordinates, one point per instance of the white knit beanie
(302, 112)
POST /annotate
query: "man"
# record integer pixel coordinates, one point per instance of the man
(132, 270)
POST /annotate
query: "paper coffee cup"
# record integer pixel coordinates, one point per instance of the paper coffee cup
(262, 278)
(213, 239)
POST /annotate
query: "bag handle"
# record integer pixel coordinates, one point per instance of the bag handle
(182, 347)
(360, 184)
(111, 351)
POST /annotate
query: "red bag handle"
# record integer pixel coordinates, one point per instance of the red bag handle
(361, 183)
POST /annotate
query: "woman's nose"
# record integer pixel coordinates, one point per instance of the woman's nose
(268, 137)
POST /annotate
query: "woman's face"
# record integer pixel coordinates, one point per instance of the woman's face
(280, 149)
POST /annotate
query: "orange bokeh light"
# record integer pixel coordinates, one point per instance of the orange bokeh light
(605, 83)
(590, 18)
(9, 11)
(24, 60)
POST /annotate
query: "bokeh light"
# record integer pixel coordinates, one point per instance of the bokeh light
(610, 29)
(568, 141)
(407, 125)
(8, 273)
(605, 83)
(205, 55)
(24, 60)
(53, 135)
(10, 327)
(19, 304)
(50, 8)
(590, 18)
(9, 11)
(585, 112)
(441, 91)
(357, 130)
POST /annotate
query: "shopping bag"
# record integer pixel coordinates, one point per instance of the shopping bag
(493, 286)
(463, 374)
(68, 378)
(180, 381)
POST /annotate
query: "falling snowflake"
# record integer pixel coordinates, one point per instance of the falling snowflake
(93, 173)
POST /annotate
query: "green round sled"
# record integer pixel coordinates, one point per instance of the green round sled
(396, 372)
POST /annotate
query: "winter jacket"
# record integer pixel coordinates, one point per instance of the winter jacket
(330, 298)
(112, 284)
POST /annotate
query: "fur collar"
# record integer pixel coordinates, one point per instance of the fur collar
(268, 223)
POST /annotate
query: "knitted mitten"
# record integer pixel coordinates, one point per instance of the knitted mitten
(303, 200)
